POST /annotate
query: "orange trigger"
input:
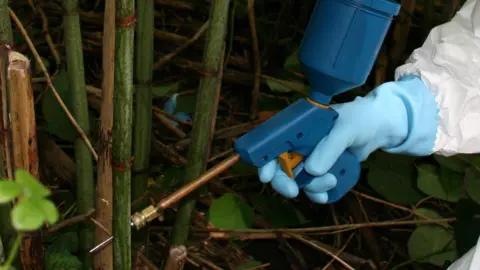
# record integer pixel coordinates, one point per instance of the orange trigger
(289, 161)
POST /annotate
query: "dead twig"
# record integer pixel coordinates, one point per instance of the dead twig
(100, 225)
(165, 121)
(146, 262)
(221, 155)
(49, 41)
(377, 200)
(256, 58)
(339, 252)
(168, 153)
(344, 227)
(162, 61)
(176, 119)
(312, 244)
(204, 261)
(224, 133)
(71, 221)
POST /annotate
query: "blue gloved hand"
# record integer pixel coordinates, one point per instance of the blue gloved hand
(397, 117)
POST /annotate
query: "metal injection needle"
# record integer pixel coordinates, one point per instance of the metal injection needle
(140, 219)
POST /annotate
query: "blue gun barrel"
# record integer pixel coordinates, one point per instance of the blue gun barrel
(337, 54)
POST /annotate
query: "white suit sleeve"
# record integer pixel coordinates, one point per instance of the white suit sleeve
(449, 64)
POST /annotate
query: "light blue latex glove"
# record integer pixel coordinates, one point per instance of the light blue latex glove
(398, 117)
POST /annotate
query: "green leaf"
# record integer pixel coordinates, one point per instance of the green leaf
(26, 215)
(432, 244)
(186, 104)
(49, 210)
(393, 177)
(229, 212)
(9, 190)
(429, 213)
(163, 90)
(453, 163)
(31, 186)
(249, 265)
(278, 210)
(285, 86)
(62, 260)
(440, 183)
(292, 62)
(57, 121)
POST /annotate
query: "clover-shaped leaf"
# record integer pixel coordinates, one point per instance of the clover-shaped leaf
(31, 186)
(26, 216)
(9, 190)
(49, 210)
(30, 213)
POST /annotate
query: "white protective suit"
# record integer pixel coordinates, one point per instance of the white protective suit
(449, 63)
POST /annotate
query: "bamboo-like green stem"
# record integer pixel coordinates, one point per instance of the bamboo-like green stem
(84, 169)
(6, 34)
(143, 107)
(122, 133)
(206, 110)
(143, 97)
(7, 232)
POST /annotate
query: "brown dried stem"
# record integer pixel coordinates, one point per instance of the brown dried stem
(377, 200)
(339, 252)
(165, 121)
(176, 259)
(162, 112)
(49, 41)
(314, 245)
(49, 81)
(104, 258)
(343, 227)
(71, 221)
(256, 58)
(24, 143)
(162, 61)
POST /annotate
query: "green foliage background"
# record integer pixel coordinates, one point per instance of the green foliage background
(436, 187)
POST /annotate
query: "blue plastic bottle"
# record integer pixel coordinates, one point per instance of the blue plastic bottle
(341, 43)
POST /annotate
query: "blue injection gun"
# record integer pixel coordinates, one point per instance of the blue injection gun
(337, 53)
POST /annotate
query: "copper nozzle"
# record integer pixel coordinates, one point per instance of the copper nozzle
(141, 219)
(150, 213)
